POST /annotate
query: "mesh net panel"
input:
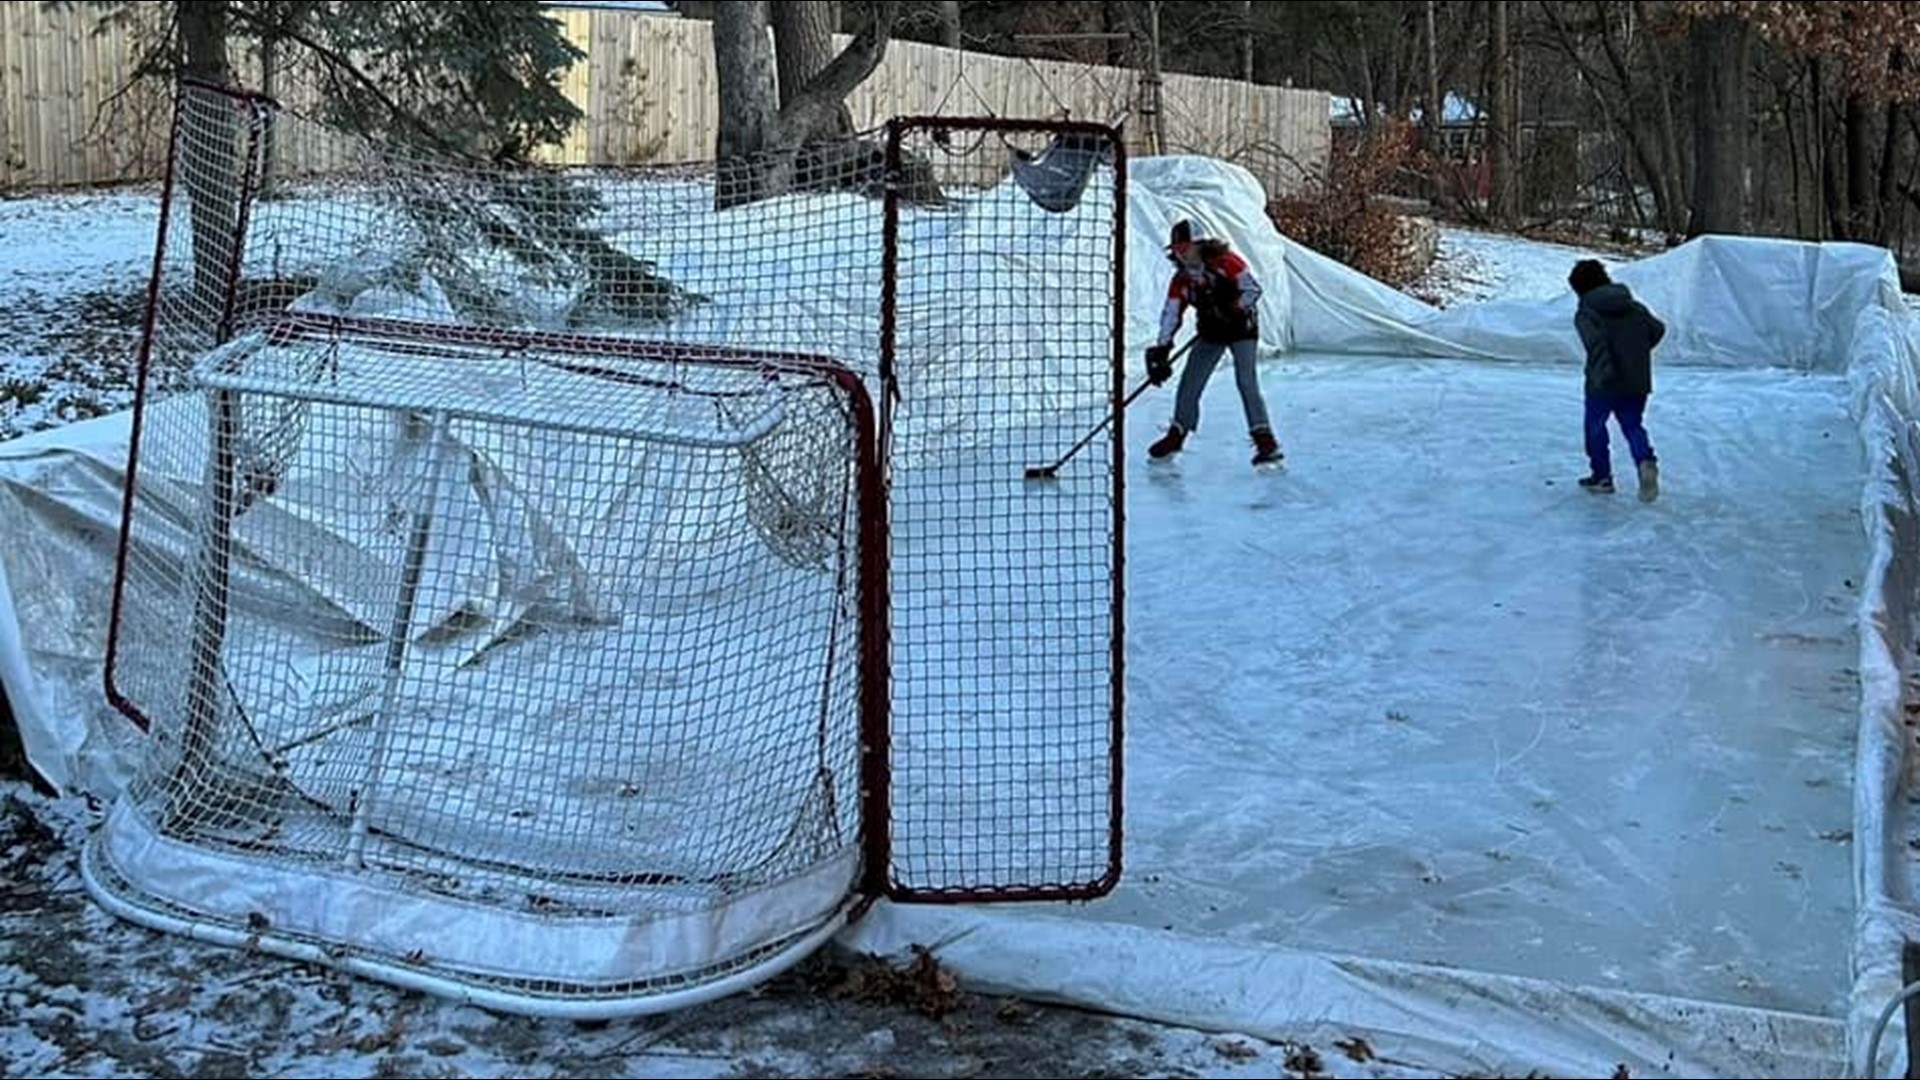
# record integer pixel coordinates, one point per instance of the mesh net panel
(497, 541)
(451, 576)
(1005, 591)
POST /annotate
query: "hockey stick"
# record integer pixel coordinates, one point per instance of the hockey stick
(1047, 472)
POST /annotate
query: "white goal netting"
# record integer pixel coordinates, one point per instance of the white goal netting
(576, 590)
(524, 665)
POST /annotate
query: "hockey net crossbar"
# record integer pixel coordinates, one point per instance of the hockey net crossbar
(509, 376)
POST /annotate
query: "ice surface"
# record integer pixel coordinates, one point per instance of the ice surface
(1413, 698)
(1418, 696)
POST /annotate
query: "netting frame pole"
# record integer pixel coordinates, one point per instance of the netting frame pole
(876, 744)
(400, 633)
(142, 371)
(1116, 836)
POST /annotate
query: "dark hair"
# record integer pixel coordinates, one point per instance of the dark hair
(1587, 276)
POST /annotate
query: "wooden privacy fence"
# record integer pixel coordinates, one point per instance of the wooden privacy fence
(646, 89)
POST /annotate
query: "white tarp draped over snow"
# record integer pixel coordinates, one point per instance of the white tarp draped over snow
(1730, 303)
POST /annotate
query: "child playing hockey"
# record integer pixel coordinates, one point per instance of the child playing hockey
(1217, 283)
(1620, 335)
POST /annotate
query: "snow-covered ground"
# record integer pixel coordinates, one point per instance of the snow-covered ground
(1474, 265)
(72, 285)
(1638, 717)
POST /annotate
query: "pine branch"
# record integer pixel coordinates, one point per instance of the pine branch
(338, 64)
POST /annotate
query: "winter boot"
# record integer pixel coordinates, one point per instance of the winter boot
(1649, 480)
(1266, 449)
(1168, 444)
(1599, 485)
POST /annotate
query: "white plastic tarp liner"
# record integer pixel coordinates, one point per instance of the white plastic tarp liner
(1729, 303)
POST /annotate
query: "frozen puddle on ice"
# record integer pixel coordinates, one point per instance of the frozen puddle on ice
(1420, 698)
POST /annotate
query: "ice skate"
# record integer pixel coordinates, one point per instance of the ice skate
(1169, 444)
(1266, 449)
(1649, 480)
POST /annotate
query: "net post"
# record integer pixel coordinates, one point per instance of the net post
(877, 542)
(142, 389)
(890, 276)
(1117, 752)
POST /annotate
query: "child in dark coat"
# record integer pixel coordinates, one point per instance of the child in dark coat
(1620, 335)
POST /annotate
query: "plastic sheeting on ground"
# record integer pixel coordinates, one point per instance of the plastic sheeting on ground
(1731, 303)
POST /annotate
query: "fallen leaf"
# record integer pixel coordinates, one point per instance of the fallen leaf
(1355, 1048)
(166, 1001)
(1304, 1060)
(1235, 1050)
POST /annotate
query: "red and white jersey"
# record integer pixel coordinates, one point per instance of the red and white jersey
(1222, 289)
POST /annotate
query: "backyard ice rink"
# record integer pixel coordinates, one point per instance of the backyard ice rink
(1418, 729)
(1421, 697)
(1419, 700)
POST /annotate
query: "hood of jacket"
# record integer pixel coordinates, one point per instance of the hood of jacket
(1609, 301)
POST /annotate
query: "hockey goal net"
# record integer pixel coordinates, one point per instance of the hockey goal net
(509, 570)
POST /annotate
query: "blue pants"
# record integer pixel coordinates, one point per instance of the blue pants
(1629, 409)
(1246, 375)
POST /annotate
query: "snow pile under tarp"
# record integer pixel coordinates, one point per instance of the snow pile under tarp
(1735, 302)
(1730, 303)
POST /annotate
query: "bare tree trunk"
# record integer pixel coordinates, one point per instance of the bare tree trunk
(802, 42)
(1436, 107)
(744, 70)
(209, 164)
(1857, 129)
(1505, 179)
(1155, 106)
(1828, 208)
(1370, 88)
(1790, 105)
(1887, 217)
(1113, 21)
(1720, 48)
(763, 124)
(950, 35)
(269, 85)
(209, 170)
(1246, 41)
(1674, 176)
(818, 110)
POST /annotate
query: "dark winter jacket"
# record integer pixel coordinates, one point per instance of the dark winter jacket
(1620, 334)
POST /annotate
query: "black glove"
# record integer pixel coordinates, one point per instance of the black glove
(1159, 363)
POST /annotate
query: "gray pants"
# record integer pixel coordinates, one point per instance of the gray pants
(1201, 360)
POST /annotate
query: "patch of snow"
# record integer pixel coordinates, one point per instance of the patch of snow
(1476, 265)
